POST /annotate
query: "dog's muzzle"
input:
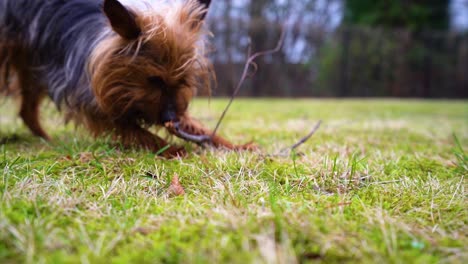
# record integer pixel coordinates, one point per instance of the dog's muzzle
(169, 115)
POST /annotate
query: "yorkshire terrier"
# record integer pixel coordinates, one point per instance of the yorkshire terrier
(116, 68)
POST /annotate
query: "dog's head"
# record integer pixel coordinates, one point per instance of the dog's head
(152, 63)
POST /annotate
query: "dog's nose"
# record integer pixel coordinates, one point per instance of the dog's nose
(168, 116)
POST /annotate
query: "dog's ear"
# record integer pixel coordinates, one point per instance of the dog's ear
(121, 19)
(206, 4)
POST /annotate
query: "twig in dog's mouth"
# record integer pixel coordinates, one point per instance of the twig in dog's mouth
(175, 128)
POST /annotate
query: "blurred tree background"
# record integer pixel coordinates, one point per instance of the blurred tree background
(358, 48)
(415, 15)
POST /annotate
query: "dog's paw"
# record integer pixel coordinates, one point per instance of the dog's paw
(250, 146)
(174, 152)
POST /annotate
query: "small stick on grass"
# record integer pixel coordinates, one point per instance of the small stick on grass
(304, 139)
(245, 73)
(200, 140)
(203, 139)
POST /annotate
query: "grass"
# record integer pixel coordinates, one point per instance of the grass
(381, 181)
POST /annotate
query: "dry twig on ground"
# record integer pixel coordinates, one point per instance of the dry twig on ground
(250, 63)
(302, 140)
(201, 140)
(245, 73)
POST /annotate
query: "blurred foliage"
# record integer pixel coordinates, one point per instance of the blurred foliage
(416, 15)
(364, 61)
(381, 48)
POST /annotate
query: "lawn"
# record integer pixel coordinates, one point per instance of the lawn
(381, 181)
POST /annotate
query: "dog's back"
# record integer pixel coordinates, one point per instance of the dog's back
(50, 41)
(44, 48)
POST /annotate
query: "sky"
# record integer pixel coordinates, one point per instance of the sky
(459, 10)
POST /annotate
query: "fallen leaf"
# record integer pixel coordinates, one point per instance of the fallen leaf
(65, 158)
(142, 231)
(86, 157)
(176, 188)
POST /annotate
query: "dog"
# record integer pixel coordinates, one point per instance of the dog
(118, 69)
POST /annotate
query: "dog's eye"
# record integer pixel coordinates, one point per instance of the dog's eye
(157, 82)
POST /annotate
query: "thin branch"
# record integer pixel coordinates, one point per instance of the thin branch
(202, 139)
(304, 139)
(250, 62)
